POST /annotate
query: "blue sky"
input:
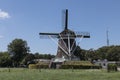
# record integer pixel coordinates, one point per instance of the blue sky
(24, 19)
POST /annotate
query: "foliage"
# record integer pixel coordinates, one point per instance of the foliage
(5, 60)
(112, 67)
(40, 65)
(79, 62)
(79, 65)
(43, 65)
(77, 52)
(32, 66)
(72, 66)
(92, 55)
(111, 53)
(43, 56)
(80, 53)
(18, 49)
(114, 53)
(28, 58)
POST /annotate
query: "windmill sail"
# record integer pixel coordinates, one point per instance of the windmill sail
(46, 35)
(66, 19)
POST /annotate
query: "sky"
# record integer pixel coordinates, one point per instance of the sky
(25, 19)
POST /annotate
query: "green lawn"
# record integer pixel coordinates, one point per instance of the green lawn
(57, 74)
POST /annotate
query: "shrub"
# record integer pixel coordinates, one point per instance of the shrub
(38, 66)
(32, 66)
(112, 67)
(43, 65)
(79, 65)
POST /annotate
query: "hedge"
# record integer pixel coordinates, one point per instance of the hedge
(67, 65)
(43, 66)
(32, 66)
(112, 67)
(79, 65)
(36, 66)
(39, 65)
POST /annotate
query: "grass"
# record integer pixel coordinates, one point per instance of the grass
(57, 74)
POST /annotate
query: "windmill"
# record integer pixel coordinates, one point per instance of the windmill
(66, 40)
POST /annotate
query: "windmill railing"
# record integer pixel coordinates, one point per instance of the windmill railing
(46, 35)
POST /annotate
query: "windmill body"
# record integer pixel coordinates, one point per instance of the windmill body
(67, 44)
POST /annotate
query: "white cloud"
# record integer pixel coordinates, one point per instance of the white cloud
(4, 15)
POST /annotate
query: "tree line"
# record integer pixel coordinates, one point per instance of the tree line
(111, 53)
(18, 53)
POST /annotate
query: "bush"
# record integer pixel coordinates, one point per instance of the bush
(79, 65)
(112, 67)
(32, 66)
(43, 66)
(38, 66)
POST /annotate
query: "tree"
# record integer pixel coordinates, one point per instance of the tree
(103, 52)
(43, 56)
(113, 53)
(93, 55)
(80, 53)
(37, 56)
(18, 49)
(28, 58)
(5, 60)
